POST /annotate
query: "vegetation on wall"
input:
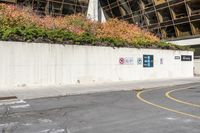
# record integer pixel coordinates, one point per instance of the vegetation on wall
(21, 24)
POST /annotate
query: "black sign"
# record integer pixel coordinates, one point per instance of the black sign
(186, 58)
(147, 60)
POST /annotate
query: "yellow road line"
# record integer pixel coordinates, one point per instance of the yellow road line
(167, 94)
(165, 108)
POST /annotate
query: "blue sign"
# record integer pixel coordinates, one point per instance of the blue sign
(147, 60)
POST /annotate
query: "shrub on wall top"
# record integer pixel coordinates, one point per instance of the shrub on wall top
(21, 24)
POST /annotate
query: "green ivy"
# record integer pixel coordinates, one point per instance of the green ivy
(32, 33)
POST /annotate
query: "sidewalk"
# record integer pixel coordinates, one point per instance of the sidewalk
(52, 91)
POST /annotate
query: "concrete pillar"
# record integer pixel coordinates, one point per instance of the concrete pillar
(95, 11)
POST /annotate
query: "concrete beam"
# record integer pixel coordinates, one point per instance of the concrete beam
(95, 12)
(187, 42)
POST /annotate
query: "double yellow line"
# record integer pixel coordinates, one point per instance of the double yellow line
(167, 94)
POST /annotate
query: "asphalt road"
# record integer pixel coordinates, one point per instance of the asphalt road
(172, 109)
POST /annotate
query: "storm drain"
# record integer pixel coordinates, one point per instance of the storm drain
(137, 90)
(8, 98)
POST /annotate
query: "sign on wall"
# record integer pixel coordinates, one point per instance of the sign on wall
(126, 61)
(177, 57)
(186, 58)
(148, 60)
(161, 61)
(139, 61)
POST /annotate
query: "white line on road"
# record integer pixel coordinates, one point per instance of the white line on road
(20, 106)
(13, 102)
(8, 124)
(52, 131)
(58, 131)
(44, 120)
(171, 118)
(44, 131)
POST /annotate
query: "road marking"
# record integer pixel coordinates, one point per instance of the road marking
(12, 102)
(163, 107)
(9, 124)
(45, 120)
(44, 131)
(171, 118)
(52, 131)
(20, 106)
(167, 94)
(58, 131)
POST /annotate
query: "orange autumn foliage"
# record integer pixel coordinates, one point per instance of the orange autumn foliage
(12, 16)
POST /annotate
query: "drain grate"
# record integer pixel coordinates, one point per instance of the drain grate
(8, 98)
(138, 90)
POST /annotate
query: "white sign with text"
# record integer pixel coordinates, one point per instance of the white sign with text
(126, 61)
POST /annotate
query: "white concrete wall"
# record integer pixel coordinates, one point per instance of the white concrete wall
(197, 67)
(50, 64)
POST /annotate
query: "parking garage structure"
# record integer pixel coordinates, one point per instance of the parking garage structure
(168, 19)
(54, 7)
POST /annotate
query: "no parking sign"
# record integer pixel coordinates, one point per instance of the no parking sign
(126, 61)
(121, 61)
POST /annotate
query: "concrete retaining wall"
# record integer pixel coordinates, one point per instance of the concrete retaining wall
(50, 64)
(197, 67)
